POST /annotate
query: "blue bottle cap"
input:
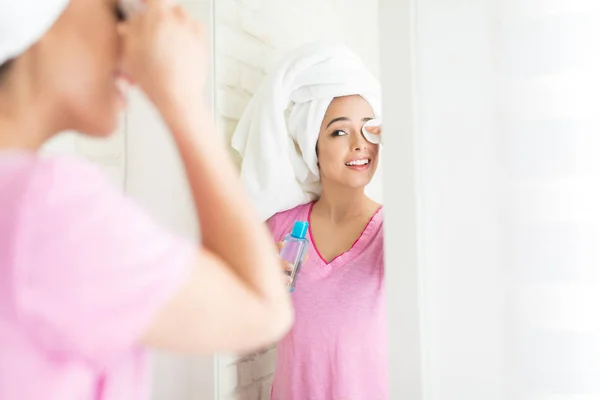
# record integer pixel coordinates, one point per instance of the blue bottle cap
(300, 229)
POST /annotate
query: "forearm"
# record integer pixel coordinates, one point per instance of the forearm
(229, 224)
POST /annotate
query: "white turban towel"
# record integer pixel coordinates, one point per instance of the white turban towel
(24, 22)
(277, 134)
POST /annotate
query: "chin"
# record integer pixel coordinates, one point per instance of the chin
(99, 127)
(358, 184)
(99, 131)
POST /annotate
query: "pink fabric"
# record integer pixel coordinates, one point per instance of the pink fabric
(83, 271)
(337, 348)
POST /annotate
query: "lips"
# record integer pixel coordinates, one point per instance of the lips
(359, 164)
(123, 85)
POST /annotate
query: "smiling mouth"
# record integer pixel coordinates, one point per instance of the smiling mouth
(358, 163)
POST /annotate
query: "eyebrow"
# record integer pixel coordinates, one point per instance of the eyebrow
(345, 119)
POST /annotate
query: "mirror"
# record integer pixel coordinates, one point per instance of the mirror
(493, 253)
(327, 173)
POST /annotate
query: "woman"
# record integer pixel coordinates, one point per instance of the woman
(337, 348)
(87, 280)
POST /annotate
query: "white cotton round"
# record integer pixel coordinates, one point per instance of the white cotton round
(130, 7)
(372, 137)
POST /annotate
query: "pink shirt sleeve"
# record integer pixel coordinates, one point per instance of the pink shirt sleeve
(281, 223)
(93, 270)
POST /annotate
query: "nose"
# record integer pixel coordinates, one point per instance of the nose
(359, 142)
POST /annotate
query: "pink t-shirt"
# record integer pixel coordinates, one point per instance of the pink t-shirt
(83, 272)
(337, 348)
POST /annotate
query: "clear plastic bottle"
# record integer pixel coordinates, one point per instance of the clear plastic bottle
(294, 250)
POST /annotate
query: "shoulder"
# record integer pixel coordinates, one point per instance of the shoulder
(68, 170)
(377, 218)
(375, 228)
(64, 181)
(281, 223)
(43, 181)
(33, 173)
(33, 164)
(68, 199)
(73, 215)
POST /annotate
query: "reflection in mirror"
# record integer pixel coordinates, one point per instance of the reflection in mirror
(297, 105)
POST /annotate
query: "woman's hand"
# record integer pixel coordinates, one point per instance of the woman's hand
(165, 54)
(286, 266)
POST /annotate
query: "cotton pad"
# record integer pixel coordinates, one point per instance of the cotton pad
(374, 138)
(129, 7)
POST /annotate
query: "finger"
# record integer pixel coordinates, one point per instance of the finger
(288, 267)
(157, 3)
(155, 7)
(179, 12)
(287, 280)
(122, 28)
(375, 130)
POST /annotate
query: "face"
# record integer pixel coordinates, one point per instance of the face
(345, 157)
(79, 60)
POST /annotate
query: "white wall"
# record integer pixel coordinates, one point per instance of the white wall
(460, 202)
(402, 261)
(250, 36)
(501, 302)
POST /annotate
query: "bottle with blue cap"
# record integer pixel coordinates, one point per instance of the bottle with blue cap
(294, 249)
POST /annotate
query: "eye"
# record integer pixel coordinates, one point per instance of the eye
(119, 13)
(338, 132)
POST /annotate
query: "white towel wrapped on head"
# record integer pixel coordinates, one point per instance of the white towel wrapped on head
(277, 134)
(24, 22)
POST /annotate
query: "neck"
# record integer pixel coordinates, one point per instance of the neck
(340, 204)
(26, 117)
(21, 133)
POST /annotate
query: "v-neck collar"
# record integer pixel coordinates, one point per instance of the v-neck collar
(358, 246)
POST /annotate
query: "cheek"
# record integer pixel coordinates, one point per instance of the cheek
(68, 71)
(98, 50)
(82, 87)
(375, 155)
(85, 66)
(374, 150)
(330, 157)
(84, 83)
